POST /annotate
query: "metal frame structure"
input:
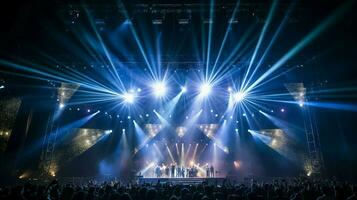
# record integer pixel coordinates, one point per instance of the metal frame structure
(314, 164)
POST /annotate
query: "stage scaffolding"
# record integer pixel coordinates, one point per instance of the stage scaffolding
(47, 165)
(314, 164)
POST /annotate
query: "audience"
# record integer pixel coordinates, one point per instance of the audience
(295, 189)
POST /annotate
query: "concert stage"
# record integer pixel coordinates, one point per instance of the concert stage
(183, 181)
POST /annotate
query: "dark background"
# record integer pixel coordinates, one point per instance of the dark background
(330, 60)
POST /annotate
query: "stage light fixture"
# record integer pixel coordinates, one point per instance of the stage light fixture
(129, 97)
(159, 89)
(301, 104)
(61, 105)
(205, 89)
(183, 89)
(239, 96)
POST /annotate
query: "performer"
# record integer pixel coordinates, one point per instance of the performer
(167, 171)
(178, 172)
(173, 170)
(195, 171)
(158, 171)
(207, 171)
(212, 171)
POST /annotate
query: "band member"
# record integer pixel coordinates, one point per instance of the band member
(178, 171)
(158, 171)
(173, 170)
(207, 171)
(212, 171)
(167, 171)
(195, 171)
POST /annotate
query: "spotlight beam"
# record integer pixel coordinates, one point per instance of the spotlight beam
(137, 40)
(113, 71)
(162, 119)
(59, 135)
(170, 106)
(224, 40)
(337, 14)
(187, 153)
(75, 75)
(54, 76)
(194, 152)
(223, 69)
(261, 37)
(170, 154)
(272, 41)
(211, 15)
(277, 76)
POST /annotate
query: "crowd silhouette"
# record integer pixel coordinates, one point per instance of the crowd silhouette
(294, 189)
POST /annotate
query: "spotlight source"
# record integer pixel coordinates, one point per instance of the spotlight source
(205, 89)
(159, 89)
(129, 97)
(183, 89)
(239, 96)
(61, 105)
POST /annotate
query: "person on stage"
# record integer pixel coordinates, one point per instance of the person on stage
(158, 171)
(173, 170)
(178, 172)
(195, 174)
(207, 171)
(167, 171)
(212, 171)
(183, 172)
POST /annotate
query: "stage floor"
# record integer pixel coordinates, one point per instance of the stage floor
(185, 181)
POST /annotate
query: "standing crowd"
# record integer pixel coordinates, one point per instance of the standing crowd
(294, 189)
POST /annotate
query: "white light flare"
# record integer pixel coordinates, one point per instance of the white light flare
(205, 89)
(239, 96)
(129, 97)
(159, 89)
(183, 89)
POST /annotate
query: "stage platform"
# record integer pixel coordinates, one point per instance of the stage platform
(183, 181)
